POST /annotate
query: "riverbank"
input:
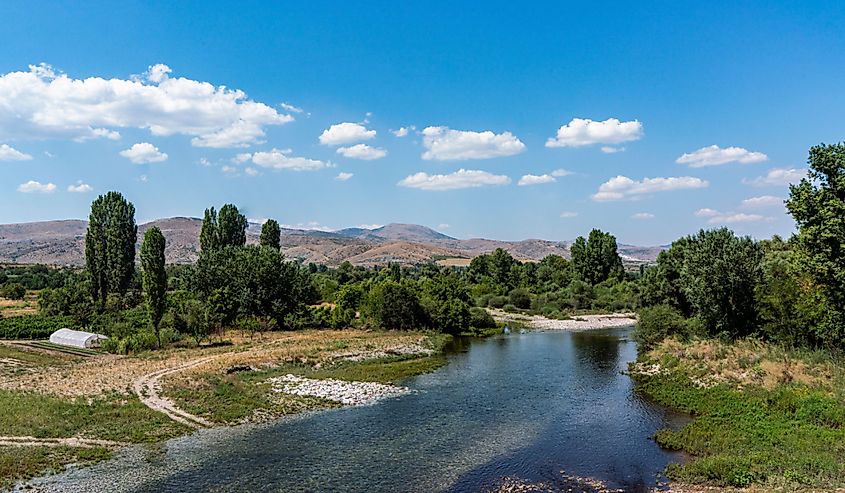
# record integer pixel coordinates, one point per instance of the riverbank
(765, 418)
(576, 322)
(80, 409)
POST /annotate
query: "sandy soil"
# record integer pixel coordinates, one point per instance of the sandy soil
(581, 322)
(57, 442)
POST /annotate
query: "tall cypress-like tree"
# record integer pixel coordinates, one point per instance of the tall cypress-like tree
(208, 233)
(153, 276)
(271, 234)
(110, 245)
(231, 227)
(596, 259)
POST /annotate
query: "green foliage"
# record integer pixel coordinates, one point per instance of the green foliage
(110, 246)
(349, 297)
(596, 259)
(224, 229)
(719, 276)
(154, 277)
(271, 234)
(818, 206)
(480, 319)
(12, 291)
(391, 305)
(32, 327)
(520, 297)
(209, 240)
(662, 284)
(784, 305)
(655, 323)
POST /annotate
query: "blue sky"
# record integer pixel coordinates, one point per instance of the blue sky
(611, 96)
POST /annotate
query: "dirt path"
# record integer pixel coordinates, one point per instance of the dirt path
(148, 389)
(57, 442)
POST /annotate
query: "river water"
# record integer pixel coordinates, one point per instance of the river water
(523, 405)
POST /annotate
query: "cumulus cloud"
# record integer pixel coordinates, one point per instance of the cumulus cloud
(568, 214)
(231, 170)
(291, 108)
(528, 180)
(44, 103)
(583, 132)
(80, 187)
(308, 226)
(403, 131)
(642, 215)
(453, 181)
(370, 226)
(762, 201)
(144, 152)
(250, 171)
(443, 226)
(706, 212)
(715, 217)
(345, 133)
(362, 151)
(611, 150)
(343, 176)
(9, 153)
(716, 156)
(622, 187)
(281, 159)
(33, 186)
(445, 144)
(777, 177)
(560, 172)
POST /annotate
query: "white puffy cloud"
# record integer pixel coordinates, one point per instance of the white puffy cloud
(762, 201)
(528, 180)
(343, 176)
(362, 151)
(453, 181)
(560, 172)
(583, 132)
(402, 131)
(9, 153)
(345, 133)
(568, 214)
(716, 156)
(231, 170)
(250, 171)
(715, 217)
(308, 226)
(777, 177)
(370, 226)
(33, 186)
(612, 150)
(80, 187)
(443, 226)
(144, 152)
(445, 144)
(642, 216)
(280, 159)
(622, 187)
(291, 108)
(44, 103)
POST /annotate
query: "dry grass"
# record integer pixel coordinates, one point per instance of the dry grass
(18, 308)
(113, 373)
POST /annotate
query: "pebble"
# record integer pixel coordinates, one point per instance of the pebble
(348, 393)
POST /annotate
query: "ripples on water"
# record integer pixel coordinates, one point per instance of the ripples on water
(524, 405)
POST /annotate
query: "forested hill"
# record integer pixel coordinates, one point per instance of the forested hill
(62, 243)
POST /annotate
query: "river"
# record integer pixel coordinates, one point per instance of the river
(524, 405)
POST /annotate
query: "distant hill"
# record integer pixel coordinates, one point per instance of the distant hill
(62, 243)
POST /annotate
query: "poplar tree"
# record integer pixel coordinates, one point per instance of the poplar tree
(208, 233)
(110, 245)
(271, 234)
(154, 277)
(231, 227)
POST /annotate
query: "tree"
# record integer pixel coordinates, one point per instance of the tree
(110, 245)
(596, 259)
(395, 306)
(271, 235)
(231, 227)
(154, 277)
(208, 234)
(662, 284)
(719, 276)
(818, 206)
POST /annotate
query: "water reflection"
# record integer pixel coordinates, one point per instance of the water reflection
(525, 405)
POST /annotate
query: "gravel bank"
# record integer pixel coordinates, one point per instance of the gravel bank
(349, 393)
(582, 322)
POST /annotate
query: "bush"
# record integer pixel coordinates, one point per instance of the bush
(13, 291)
(480, 319)
(32, 327)
(510, 308)
(498, 301)
(658, 322)
(520, 297)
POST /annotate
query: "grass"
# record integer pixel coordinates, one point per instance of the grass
(21, 463)
(751, 428)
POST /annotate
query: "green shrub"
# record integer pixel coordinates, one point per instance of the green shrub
(520, 297)
(480, 319)
(498, 301)
(658, 322)
(32, 327)
(510, 308)
(13, 291)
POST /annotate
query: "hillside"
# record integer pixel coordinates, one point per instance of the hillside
(62, 243)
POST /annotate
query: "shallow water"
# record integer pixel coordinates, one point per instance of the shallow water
(524, 405)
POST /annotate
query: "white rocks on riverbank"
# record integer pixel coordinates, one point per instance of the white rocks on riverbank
(349, 393)
(581, 322)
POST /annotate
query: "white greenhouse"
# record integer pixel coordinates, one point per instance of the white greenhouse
(76, 338)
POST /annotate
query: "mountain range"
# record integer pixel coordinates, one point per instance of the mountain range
(62, 243)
